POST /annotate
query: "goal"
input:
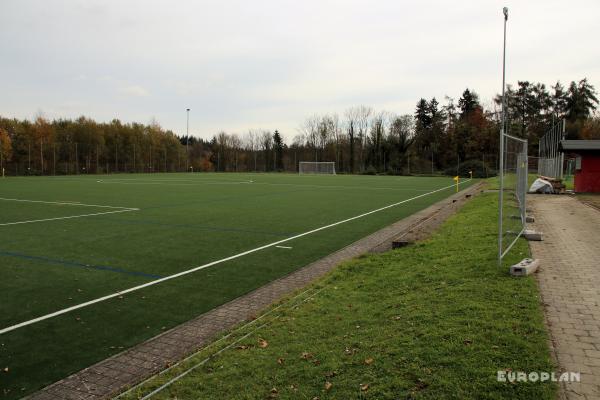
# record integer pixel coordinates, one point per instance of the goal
(312, 167)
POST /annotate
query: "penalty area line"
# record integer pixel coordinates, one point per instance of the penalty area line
(68, 203)
(68, 217)
(210, 264)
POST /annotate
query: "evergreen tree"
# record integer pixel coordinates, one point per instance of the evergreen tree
(422, 117)
(559, 101)
(467, 103)
(278, 150)
(581, 100)
(351, 138)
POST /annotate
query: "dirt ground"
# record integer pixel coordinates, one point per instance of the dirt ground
(591, 199)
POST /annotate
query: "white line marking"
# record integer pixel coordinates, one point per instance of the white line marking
(65, 203)
(210, 264)
(204, 182)
(212, 344)
(186, 372)
(169, 183)
(68, 217)
(284, 247)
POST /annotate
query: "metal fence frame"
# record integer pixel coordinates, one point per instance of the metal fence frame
(550, 158)
(520, 192)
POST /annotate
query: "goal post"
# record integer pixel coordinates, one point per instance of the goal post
(314, 167)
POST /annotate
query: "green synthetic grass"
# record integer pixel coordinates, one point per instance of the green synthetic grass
(435, 320)
(185, 220)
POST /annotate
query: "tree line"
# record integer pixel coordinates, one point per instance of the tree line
(453, 137)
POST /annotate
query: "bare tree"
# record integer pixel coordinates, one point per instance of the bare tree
(310, 130)
(351, 122)
(377, 138)
(338, 137)
(266, 142)
(236, 144)
(402, 134)
(363, 114)
(252, 144)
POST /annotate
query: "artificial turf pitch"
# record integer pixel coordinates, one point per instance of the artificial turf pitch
(63, 246)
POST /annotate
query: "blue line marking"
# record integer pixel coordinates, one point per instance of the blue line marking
(228, 198)
(77, 264)
(194, 226)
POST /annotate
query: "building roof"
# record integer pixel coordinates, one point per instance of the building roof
(580, 145)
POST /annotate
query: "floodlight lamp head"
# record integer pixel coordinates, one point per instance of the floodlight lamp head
(187, 109)
(505, 11)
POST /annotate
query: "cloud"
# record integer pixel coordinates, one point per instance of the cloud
(270, 64)
(134, 90)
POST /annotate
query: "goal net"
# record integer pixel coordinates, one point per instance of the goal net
(311, 167)
(513, 187)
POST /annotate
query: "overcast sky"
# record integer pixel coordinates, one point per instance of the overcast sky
(271, 63)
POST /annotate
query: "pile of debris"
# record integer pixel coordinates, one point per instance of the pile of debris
(545, 184)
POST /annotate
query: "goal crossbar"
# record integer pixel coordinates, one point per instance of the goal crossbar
(316, 167)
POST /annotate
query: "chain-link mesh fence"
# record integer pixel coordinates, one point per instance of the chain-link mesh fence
(513, 186)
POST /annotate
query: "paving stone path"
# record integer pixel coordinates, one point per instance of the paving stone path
(569, 281)
(111, 376)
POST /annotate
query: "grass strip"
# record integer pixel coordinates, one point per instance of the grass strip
(434, 320)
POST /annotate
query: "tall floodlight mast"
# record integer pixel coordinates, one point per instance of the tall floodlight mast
(187, 141)
(502, 132)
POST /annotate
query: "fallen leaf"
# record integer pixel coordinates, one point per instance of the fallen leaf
(262, 343)
(330, 374)
(467, 342)
(242, 347)
(280, 361)
(5, 369)
(306, 355)
(364, 387)
(369, 361)
(421, 384)
(328, 385)
(317, 362)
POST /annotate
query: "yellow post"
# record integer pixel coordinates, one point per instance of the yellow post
(471, 173)
(456, 179)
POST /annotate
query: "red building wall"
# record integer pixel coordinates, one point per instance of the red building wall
(587, 179)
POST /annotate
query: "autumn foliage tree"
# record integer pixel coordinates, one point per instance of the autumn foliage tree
(438, 136)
